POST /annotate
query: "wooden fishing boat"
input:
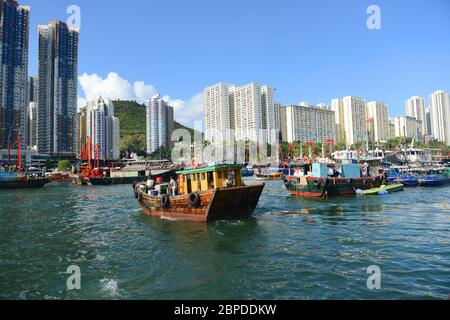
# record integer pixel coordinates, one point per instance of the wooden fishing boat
(204, 195)
(384, 188)
(434, 180)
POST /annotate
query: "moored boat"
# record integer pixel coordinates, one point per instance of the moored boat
(13, 180)
(203, 195)
(383, 189)
(319, 184)
(434, 180)
(270, 176)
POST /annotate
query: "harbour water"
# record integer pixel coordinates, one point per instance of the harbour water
(290, 249)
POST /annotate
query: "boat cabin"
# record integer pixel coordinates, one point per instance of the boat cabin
(203, 179)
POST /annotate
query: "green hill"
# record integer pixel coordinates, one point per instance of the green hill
(132, 116)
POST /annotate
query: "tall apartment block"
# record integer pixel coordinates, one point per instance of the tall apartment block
(415, 107)
(160, 124)
(351, 119)
(98, 123)
(58, 88)
(240, 113)
(14, 34)
(440, 116)
(378, 121)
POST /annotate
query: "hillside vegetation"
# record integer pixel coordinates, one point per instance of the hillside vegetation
(132, 116)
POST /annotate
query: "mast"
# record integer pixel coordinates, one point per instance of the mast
(19, 155)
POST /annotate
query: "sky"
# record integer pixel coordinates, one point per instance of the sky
(311, 51)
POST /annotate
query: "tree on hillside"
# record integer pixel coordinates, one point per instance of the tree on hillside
(133, 144)
(64, 165)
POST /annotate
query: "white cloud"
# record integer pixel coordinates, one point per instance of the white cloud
(115, 87)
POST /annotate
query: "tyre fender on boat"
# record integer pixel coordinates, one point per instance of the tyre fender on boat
(317, 183)
(194, 198)
(165, 201)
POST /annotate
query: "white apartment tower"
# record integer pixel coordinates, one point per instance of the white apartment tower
(249, 110)
(218, 112)
(440, 116)
(354, 119)
(102, 127)
(160, 124)
(408, 127)
(415, 107)
(378, 120)
(337, 105)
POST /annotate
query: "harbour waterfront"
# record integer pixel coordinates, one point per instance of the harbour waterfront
(291, 248)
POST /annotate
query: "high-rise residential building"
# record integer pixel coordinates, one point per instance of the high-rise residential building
(440, 116)
(408, 127)
(378, 121)
(218, 112)
(98, 123)
(58, 88)
(415, 107)
(281, 122)
(428, 120)
(160, 124)
(240, 113)
(310, 124)
(33, 83)
(354, 119)
(337, 105)
(14, 34)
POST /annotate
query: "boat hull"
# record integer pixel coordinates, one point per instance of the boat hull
(116, 181)
(24, 184)
(217, 204)
(332, 187)
(389, 188)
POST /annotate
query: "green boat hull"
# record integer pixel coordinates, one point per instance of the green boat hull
(390, 188)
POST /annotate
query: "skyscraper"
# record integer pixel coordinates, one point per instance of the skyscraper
(352, 113)
(378, 121)
(160, 123)
(415, 107)
(281, 121)
(58, 86)
(218, 112)
(14, 34)
(33, 83)
(97, 122)
(248, 111)
(337, 105)
(440, 116)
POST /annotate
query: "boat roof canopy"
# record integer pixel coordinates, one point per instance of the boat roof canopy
(211, 169)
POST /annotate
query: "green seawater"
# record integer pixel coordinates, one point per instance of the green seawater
(290, 249)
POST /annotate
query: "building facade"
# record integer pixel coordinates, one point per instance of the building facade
(354, 110)
(160, 124)
(14, 35)
(415, 107)
(440, 116)
(240, 113)
(281, 122)
(99, 124)
(408, 127)
(33, 85)
(58, 89)
(337, 105)
(310, 124)
(378, 121)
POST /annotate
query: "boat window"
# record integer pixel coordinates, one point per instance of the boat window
(219, 174)
(194, 177)
(203, 176)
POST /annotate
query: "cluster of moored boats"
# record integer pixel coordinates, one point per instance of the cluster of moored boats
(219, 191)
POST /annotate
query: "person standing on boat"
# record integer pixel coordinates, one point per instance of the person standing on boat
(173, 186)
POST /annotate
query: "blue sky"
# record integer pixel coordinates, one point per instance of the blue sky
(308, 50)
